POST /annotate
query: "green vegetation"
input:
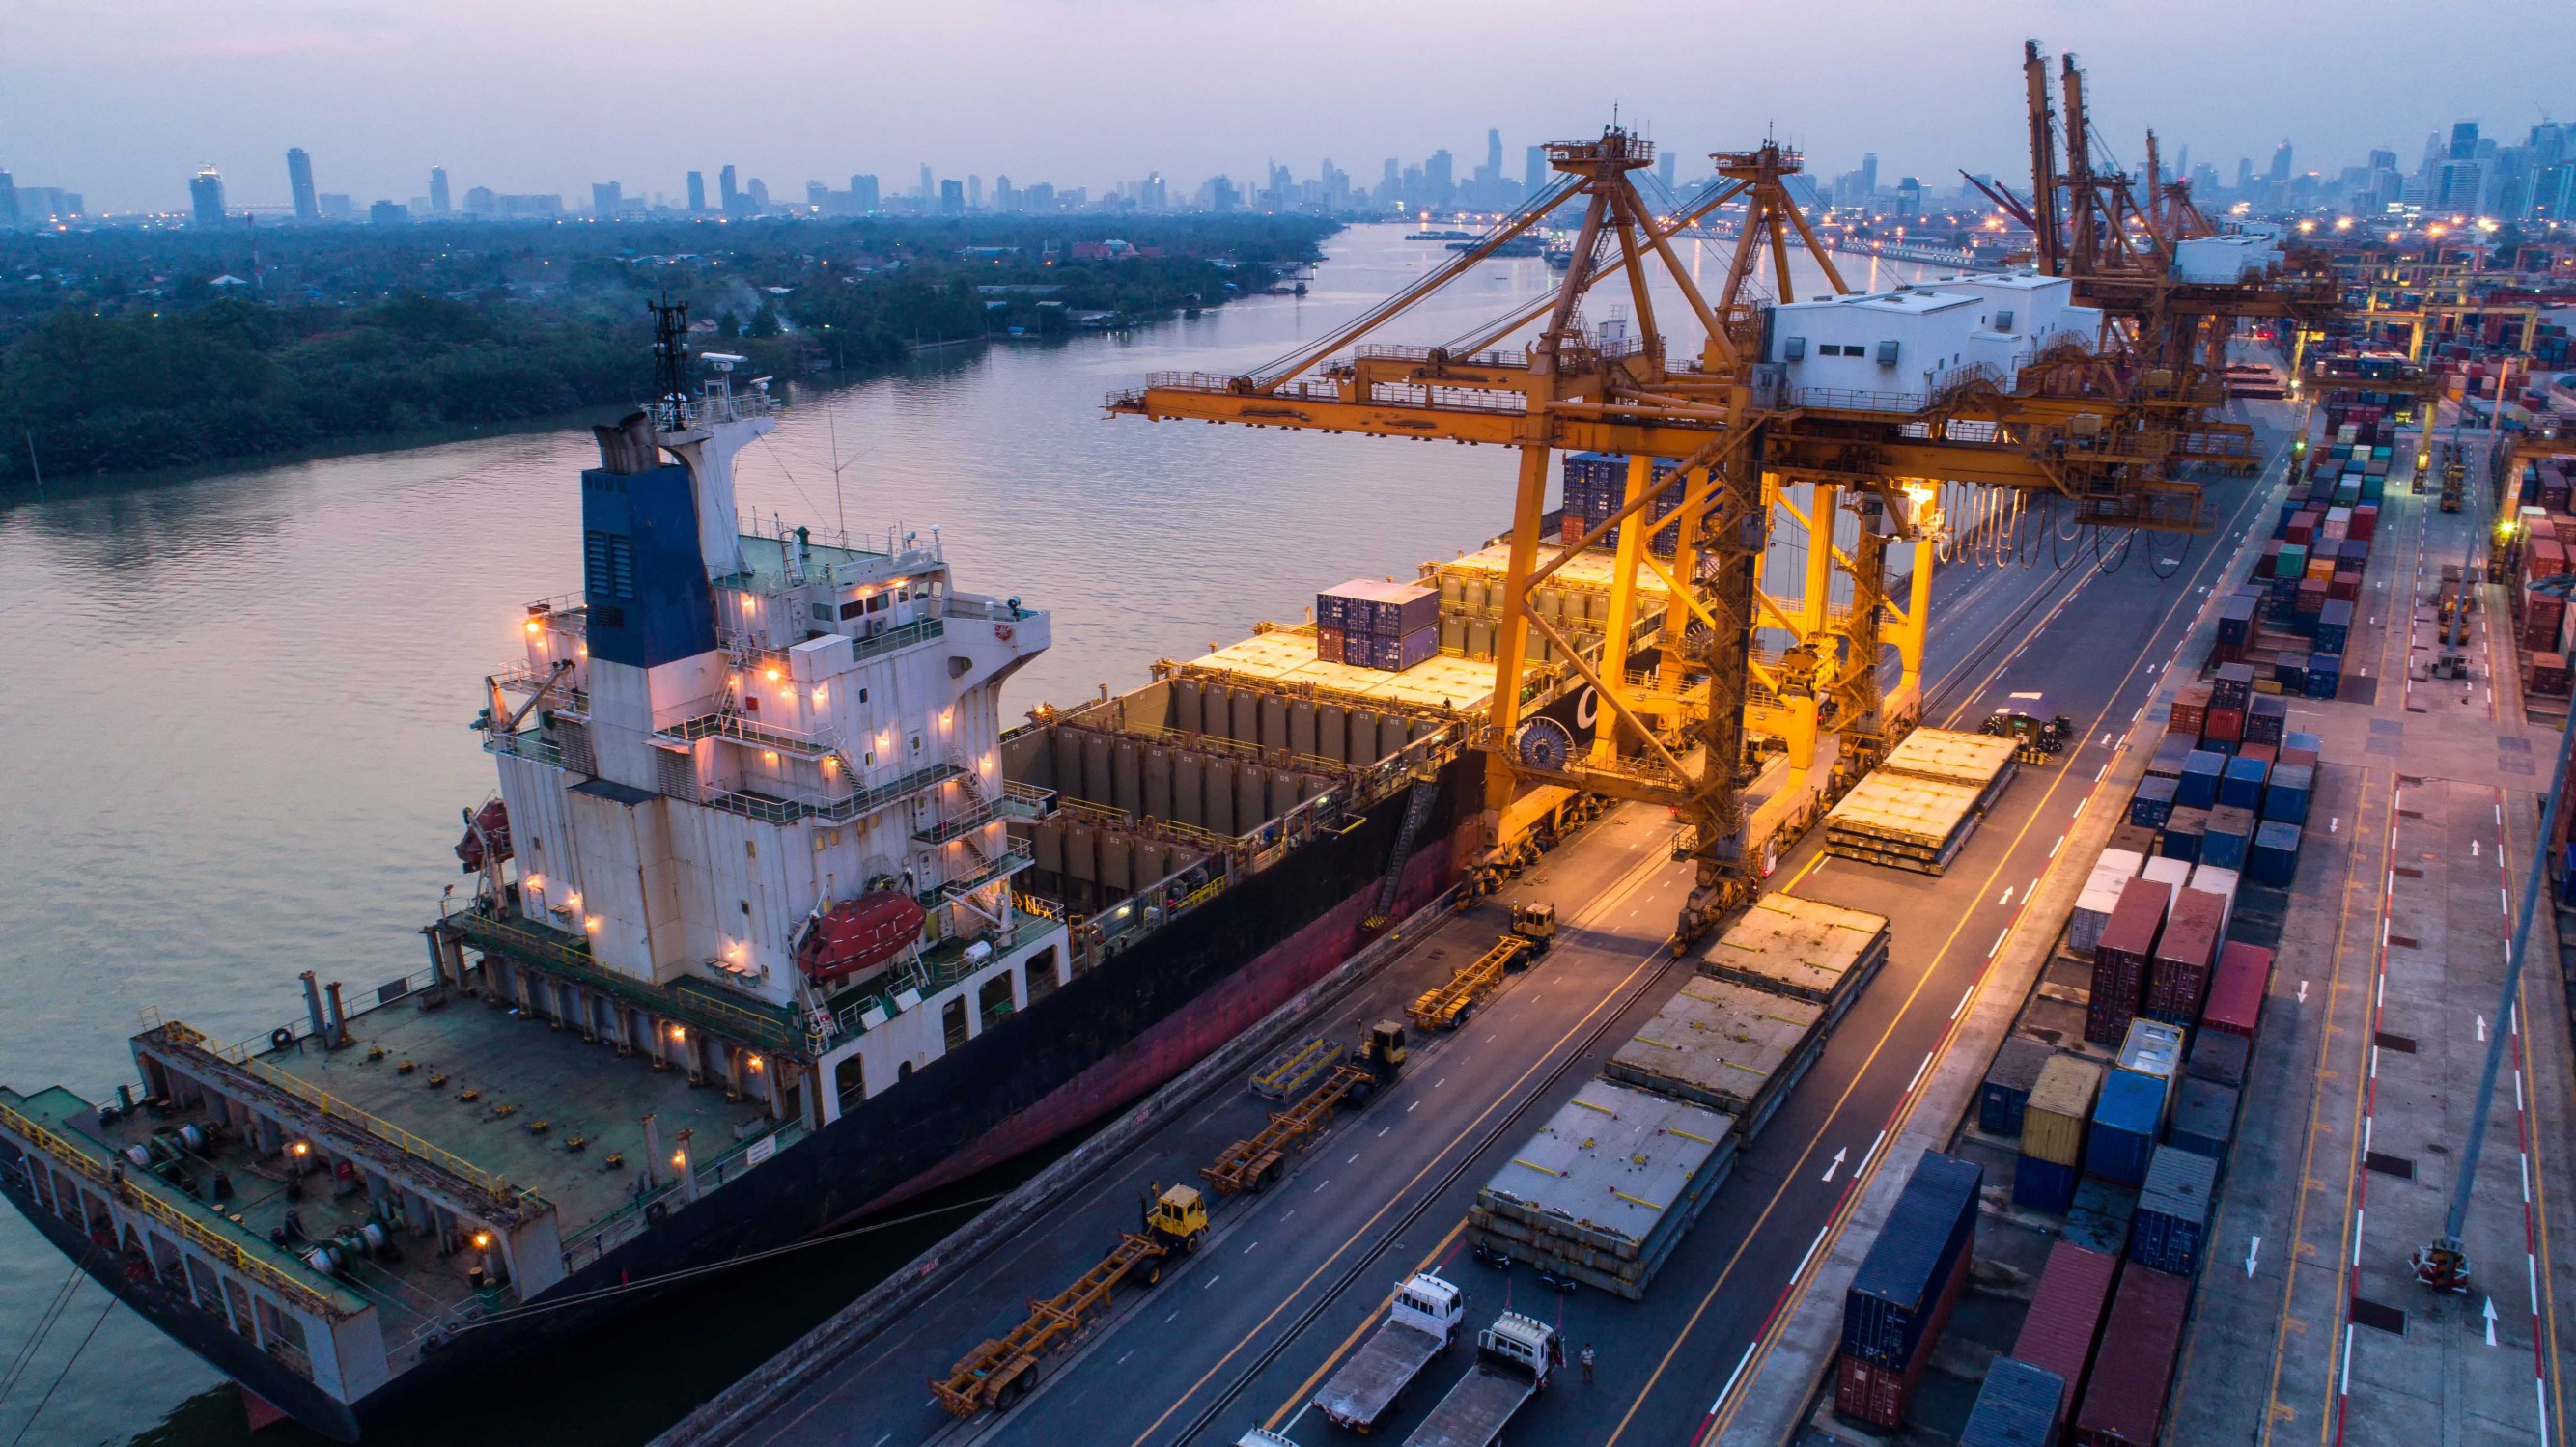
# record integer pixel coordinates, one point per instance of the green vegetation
(130, 350)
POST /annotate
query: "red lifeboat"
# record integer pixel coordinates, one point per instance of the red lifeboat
(488, 827)
(859, 934)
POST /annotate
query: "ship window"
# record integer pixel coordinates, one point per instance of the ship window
(849, 1082)
(854, 607)
(608, 564)
(282, 1335)
(167, 1263)
(746, 907)
(863, 695)
(993, 1000)
(209, 1287)
(751, 849)
(952, 1022)
(240, 1301)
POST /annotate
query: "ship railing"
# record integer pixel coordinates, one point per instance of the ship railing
(530, 744)
(788, 809)
(712, 407)
(863, 649)
(1002, 866)
(1109, 816)
(1852, 399)
(485, 930)
(1017, 801)
(117, 1185)
(559, 603)
(520, 678)
(635, 1217)
(744, 731)
(1145, 911)
(178, 1035)
(990, 610)
(904, 546)
(746, 652)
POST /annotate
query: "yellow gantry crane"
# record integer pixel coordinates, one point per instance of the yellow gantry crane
(1674, 731)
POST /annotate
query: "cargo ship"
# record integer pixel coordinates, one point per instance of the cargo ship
(768, 924)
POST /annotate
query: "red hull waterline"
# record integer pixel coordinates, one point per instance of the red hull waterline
(1179, 1041)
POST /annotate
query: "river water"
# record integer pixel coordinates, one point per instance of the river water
(236, 722)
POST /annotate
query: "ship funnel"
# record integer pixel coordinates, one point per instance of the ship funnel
(629, 447)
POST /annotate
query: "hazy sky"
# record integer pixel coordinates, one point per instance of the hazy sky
(122, 99)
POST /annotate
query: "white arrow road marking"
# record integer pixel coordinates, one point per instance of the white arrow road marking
(2334, 823)
(2303, 992)
(2252, 1249)
(2491, 1341)
(2473, 849)
(2482, 1027)
(1839, 1157)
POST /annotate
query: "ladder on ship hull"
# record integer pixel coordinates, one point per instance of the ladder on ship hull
(1417, 812)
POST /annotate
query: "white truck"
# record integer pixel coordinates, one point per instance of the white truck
(1515, 1358)
(1422, 1321)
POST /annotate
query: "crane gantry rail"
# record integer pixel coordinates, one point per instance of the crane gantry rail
(2066, 428)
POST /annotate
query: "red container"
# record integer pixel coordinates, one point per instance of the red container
(2065, 1317)
(2303, 529)
(2547, 675)
(2226, 725)
(2120, 960)
(2125, 1408)
(2543, 557)
(1328, 645)
(2268, 753)
(2190, 710)
(2346, 585)
(2183, 954)
(2236, 990)
(2365, 521)
(2296, 756)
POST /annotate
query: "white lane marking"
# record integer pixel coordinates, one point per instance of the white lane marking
(1918, 1073)
(1408, 1110)
(1381, 1130)
(1811, 1251)
(1729, 1389)
(1248, 1249)
(1999, 942)
(1211, 1281)
(1961, 1007)
(1867, 1154)
(2053, 848)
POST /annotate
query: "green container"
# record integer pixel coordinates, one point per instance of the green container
(2292, 561)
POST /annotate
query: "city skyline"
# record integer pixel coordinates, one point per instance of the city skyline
(392, 102)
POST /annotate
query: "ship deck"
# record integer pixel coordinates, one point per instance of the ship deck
(527, 1074)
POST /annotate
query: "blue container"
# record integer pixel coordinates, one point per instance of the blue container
(2285, 798)
(2153, 804)
(2171, 1230)
(2310, 742)
(2167, 763)
(2274, 859)
(2017, 1407)
(2281, 528)
(2240, 784)
(2099, 1219)
(2123, 1137)
(2229, 835)
(2198, 786)
(1898, 1289)
(2325, 674)
(2044, 1185)
(2204, 1118)
(2181, 836)
(2266, 719)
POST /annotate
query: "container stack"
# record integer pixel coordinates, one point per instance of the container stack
(2204, 1119)
(1901, 1297)
(1917, 809)
(1724, 1046)
(1596, 483)
(2237, 987)
(1607, 1188)
(2006, 1092)
(2184, 952)
(2053, 1124)
(2101, 895)
(1366, 623)
(2170, 1233)
(2122, 958)
(2016, 1407)
(1803, 949)
(2066, 1311)
(2143, 1336)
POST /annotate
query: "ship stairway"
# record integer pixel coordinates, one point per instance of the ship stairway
(1417, 812)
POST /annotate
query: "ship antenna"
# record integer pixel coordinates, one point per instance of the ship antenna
(671, 355)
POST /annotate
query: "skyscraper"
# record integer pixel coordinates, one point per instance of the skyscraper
(1868, 175)
(863, 194)
(974, 192)
(438, 190)
(299, 180)
(2281, 162)
(8, 201)
(697, 190)
(206, 197)
(1438, 176)
(2464, 141)
(726, 191)
(928, 190)
(952, 199)
(1494, 154)
(605, 198)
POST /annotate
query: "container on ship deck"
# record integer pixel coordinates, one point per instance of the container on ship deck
(2125, 1408)
(2229, 833)
(2204, 1119)
(2006, 1091)
(2055, 1119)
(2065, 1317)
(2170, 1232)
